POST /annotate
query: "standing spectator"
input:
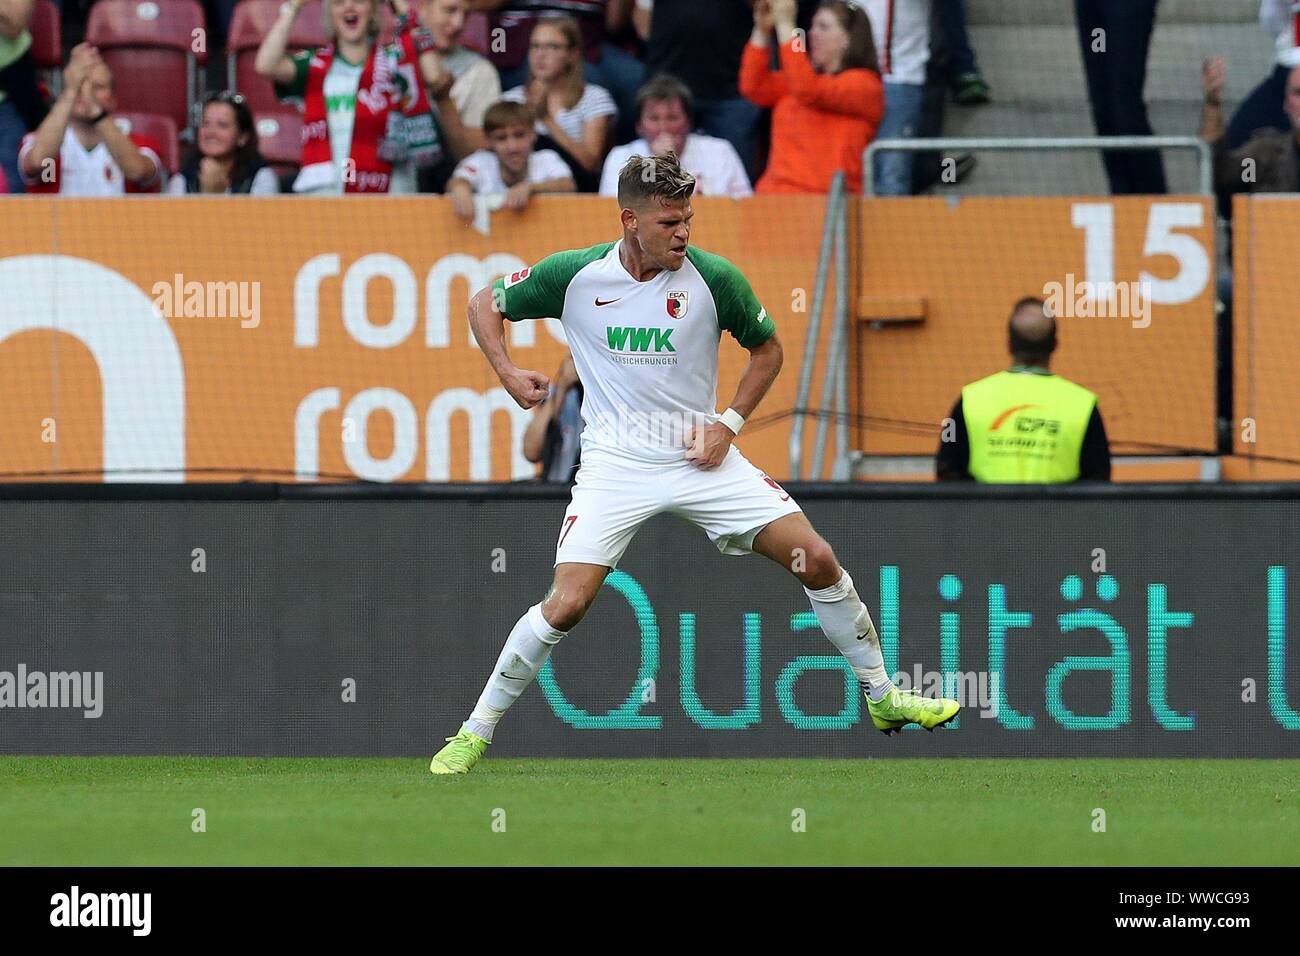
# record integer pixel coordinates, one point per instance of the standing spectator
(475, 83)
(600, 22)
(902, 34)
(21, 106)
(226, 159)
(552, 437)
(666, 112)
(79, 150)
(1273, 157)
(826, 103)
(511, 167)
(968, 85)
(349, 141)
(701, 43)
(1263, 107)
(1025, 425)
(1114, 38)
(575, 117)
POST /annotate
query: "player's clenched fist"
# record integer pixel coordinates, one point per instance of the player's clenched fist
(526, 387)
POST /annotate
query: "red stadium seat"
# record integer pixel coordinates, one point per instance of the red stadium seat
(279, 138)
(160, 128)
(149, 46)
(248, 26)
(47, 35)
(476, 35)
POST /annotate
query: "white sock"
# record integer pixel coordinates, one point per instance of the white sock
(526, 650)
(847, 622)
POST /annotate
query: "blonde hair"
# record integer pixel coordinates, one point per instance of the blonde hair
(327, 19)
(646, 178)
(572, 82)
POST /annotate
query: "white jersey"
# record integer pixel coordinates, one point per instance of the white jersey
(646, 352)
(482, 170)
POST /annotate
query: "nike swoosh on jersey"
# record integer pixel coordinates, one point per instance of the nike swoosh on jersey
(606, 302)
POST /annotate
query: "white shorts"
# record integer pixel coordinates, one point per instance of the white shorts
(613, 496)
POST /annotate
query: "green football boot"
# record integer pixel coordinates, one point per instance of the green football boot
(900, 707)
(460, 755)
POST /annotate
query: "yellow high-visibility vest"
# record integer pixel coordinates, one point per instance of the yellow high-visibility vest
(1026, 426)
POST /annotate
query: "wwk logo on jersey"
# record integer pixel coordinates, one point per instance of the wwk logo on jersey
(516, 277)
(677, 304)
(621, 338)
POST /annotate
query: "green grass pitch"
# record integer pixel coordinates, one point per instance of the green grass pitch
(138, 810)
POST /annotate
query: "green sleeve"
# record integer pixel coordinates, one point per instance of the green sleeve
(739, 311)
(297, 87)
(538, 291)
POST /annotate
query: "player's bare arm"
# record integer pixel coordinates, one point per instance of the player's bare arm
(525, 386)
(710, 446)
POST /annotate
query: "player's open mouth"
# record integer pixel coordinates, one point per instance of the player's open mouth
(351, 19)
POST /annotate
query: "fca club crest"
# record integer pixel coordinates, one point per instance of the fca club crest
(677, 304)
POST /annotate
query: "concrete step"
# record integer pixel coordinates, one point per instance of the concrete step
(1043, 64)
(1061, 12)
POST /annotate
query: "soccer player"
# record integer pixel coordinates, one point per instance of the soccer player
(643, 317)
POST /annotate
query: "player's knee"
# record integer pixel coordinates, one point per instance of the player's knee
(820, 568)
(564, 611)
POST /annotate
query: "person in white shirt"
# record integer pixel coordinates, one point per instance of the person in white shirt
(510, 166)
(1262, 108)
(576, 116)
(666, 116)
(902, 33)
(475, 83)
(79, 150)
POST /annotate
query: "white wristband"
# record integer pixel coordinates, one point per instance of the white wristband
(733, 420)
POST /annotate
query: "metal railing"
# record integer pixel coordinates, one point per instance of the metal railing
(1205, 178)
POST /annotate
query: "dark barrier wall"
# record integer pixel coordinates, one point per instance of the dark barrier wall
(337, 621)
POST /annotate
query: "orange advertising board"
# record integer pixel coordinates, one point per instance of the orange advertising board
(294, 339)
(1266, 343)
(1131, 281)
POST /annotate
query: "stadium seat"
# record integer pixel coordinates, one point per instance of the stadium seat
(47, 35)
(476, 35)
(149, 45)
(159, 128)
(248, 26)
(279, 138)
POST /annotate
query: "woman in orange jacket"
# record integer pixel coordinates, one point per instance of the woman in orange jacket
(826, 103)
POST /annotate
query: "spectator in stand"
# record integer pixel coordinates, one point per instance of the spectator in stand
(21, 106)
(79, 150)
(968, 85)
(902, 33)
(1027, 425)
(826, 103)
(576, 118)
(475, 83)
(1271, 156)
(1114, 38)
(1263, 107)
(510, 166)
(350, 142)
(225, 160)
(667, 115)
(1268, 162)
(552, 437)
(701, 44)
(600, 22)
